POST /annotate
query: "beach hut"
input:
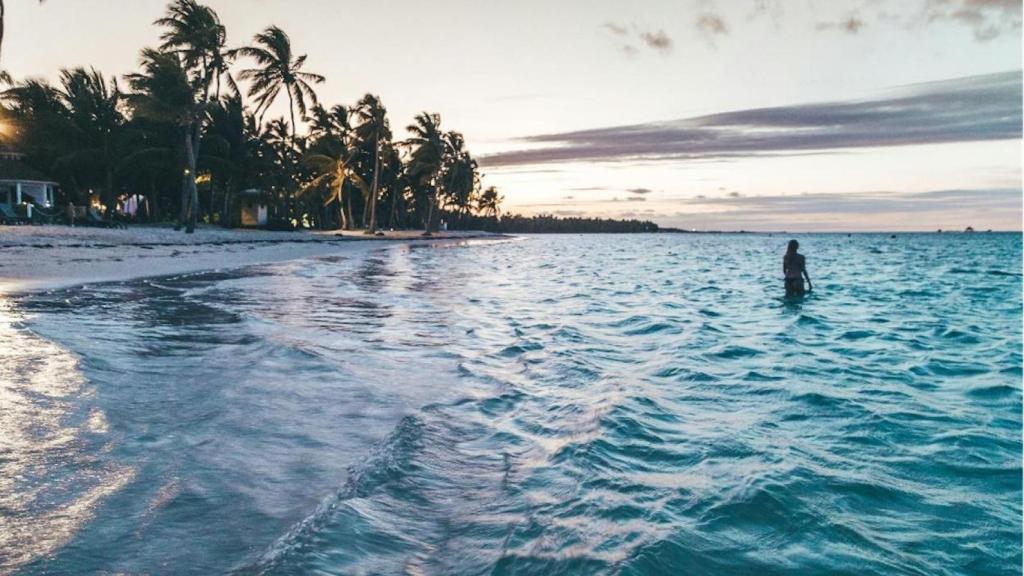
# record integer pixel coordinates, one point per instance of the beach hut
(253, 209)
(23, 184)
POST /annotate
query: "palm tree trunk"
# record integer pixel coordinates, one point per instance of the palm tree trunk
(348, 211)
(183, 210)
(393, 215)
(108, 203)
(342, 218)
(431, 200)
(225, 218)
(190, 184)
(372, 228)
(1, 23)
(366, 210)
(291, 110)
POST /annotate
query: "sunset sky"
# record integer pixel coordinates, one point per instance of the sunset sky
(752, 114)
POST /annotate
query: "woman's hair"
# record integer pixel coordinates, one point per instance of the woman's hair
(793, 245)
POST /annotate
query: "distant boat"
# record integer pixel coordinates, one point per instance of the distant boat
(969, 229)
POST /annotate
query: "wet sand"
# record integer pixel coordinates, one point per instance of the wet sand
(46, 257)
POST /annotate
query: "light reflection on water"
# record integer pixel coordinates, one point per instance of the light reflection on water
(639, 405)
(51, 478)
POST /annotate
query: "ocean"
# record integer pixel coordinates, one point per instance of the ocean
(574, 404)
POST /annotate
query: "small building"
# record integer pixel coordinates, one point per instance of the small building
(21, 183)
(252, 209)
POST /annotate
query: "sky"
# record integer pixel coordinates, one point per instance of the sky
(701, 114)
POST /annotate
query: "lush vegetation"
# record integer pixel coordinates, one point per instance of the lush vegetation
(190, 134)
(188, 131)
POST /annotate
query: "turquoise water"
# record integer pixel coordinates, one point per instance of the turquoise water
(547, 405)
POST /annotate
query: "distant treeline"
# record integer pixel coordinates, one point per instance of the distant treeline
(547, 224)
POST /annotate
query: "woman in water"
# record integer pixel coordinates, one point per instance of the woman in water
(793, 266)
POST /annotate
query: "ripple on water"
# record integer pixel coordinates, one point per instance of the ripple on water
(577, 404)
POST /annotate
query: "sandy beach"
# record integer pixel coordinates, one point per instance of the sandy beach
(47, 257)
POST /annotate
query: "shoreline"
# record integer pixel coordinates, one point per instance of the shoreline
(34, 258)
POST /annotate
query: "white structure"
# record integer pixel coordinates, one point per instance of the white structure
(20, 183)
(253, 209)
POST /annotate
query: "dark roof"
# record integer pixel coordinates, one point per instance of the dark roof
(15, 169)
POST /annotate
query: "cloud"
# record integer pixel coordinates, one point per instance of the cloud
(629, 50)
(948, 209)
(568, 197)
(975, 108)
(988, 19)
(710, 26)
(770, 8)
(636, 199)
(850, 25)
(616, 29)
(658, 41)
(628, 39)
(640, 191)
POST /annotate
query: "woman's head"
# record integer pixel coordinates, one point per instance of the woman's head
(793, 245)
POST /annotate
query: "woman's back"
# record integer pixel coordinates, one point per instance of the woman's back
(793, 264)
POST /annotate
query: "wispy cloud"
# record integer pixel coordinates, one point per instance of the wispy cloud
(629, 50)
(616, 29)
(628, 38)
(975, 108)
(954, 209)
(947, 209)
(657, 40)
(849, 25)
(988, 19)
(711, 25)
(639, 191)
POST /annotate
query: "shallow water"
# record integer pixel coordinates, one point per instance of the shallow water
(562, 404)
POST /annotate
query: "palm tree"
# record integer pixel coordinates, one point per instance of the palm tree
(231, 140)
(332, 160)
(460, 173)
(393, 182)
(175, 85)
(39, 115)
(163, 93)
(372, 131)
(96, 125)
(333, 122)
(426, 159)
(195, 33)
(286, 152)
(489, 202)
(279, 69)
(77, 129)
